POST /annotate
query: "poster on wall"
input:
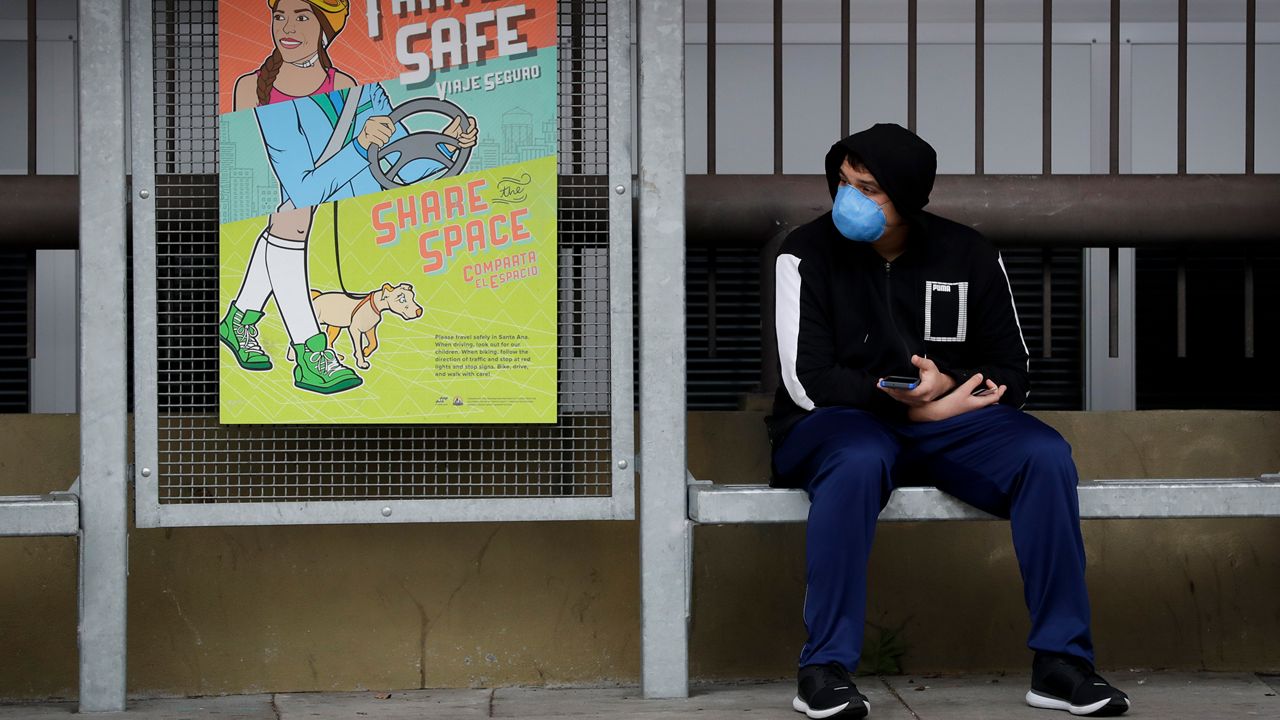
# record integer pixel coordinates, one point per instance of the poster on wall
(387, 211)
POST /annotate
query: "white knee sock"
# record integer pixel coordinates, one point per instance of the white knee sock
(256, 287)
(287, 266)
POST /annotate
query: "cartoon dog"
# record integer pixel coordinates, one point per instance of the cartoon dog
(360, 316)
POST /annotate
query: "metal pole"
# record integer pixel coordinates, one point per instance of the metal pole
(777, 87)
(979, 80)
(142, 102)
(103, 420)
(664, 523)
(32, 125)
(621, 360)
(1046, 107)
(1250, 82)
(912, 12)
(1113, 302)
(1114, 86)
(1182, 87)
(33, 84)
(711, 87)
(846, 73)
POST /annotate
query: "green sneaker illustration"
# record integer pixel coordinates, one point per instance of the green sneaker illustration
(318, 369)
(239, 332)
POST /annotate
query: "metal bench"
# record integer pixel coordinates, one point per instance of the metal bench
(53, 514)
(713, 504)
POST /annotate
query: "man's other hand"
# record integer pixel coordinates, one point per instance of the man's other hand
(933, 384)
(959, 402)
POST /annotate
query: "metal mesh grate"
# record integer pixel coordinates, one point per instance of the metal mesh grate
(202, 461)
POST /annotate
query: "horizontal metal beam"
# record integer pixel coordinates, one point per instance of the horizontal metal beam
(37, 515)
(1015, 210)
(712, 504)
(39, 212)
(381, 512)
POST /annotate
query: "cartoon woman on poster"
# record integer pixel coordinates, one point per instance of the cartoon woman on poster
(317, 127)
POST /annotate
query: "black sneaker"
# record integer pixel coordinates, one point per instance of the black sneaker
(827, 691)
(1062, 682)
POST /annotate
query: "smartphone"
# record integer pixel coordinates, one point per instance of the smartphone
(982, 391)
(900, 382)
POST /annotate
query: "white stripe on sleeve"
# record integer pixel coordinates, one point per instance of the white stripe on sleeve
(1014, 306)
(787, 325)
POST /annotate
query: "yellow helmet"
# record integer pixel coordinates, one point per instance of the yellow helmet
(334, 11)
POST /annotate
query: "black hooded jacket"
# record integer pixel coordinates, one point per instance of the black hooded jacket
(846, 317)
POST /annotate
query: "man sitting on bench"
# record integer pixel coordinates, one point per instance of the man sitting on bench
(901, 357)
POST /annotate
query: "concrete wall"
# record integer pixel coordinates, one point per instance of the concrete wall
(233, 610)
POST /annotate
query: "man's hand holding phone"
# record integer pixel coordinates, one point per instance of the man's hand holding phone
(974, 394)
(933, 384)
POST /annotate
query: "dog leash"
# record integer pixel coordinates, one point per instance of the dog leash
(337, 259)
(367, 299)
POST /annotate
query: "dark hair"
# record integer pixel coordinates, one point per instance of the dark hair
(271, 66)
(855, 161)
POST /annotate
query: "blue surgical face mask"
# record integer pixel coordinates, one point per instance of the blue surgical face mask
(857, 216)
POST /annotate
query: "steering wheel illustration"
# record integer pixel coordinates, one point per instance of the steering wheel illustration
(424, 145)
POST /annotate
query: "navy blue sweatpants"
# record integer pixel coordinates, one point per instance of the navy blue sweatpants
(997, 459)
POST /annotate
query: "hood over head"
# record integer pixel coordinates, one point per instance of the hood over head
(902, 163)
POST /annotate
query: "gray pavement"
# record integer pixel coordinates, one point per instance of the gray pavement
(1163, 695)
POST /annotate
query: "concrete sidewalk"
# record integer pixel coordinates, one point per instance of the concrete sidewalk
(1163, 695)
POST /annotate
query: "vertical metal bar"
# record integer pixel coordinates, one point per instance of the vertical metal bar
(846, 74)
(32, 84)
(1046, 283)
(912, 22)
(1250, 83)
(1182, 308)
(1182, 88)
(1046, 88)
(711, 87)
(979, 79)
(1114, 106)
(1248, 305)
(777, 87)
(142, 87)
(1109, 298)
(664, 524)
(1113, 302)
(621, 359)
(103, 420)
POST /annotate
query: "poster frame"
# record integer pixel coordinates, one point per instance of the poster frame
(618, 505)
